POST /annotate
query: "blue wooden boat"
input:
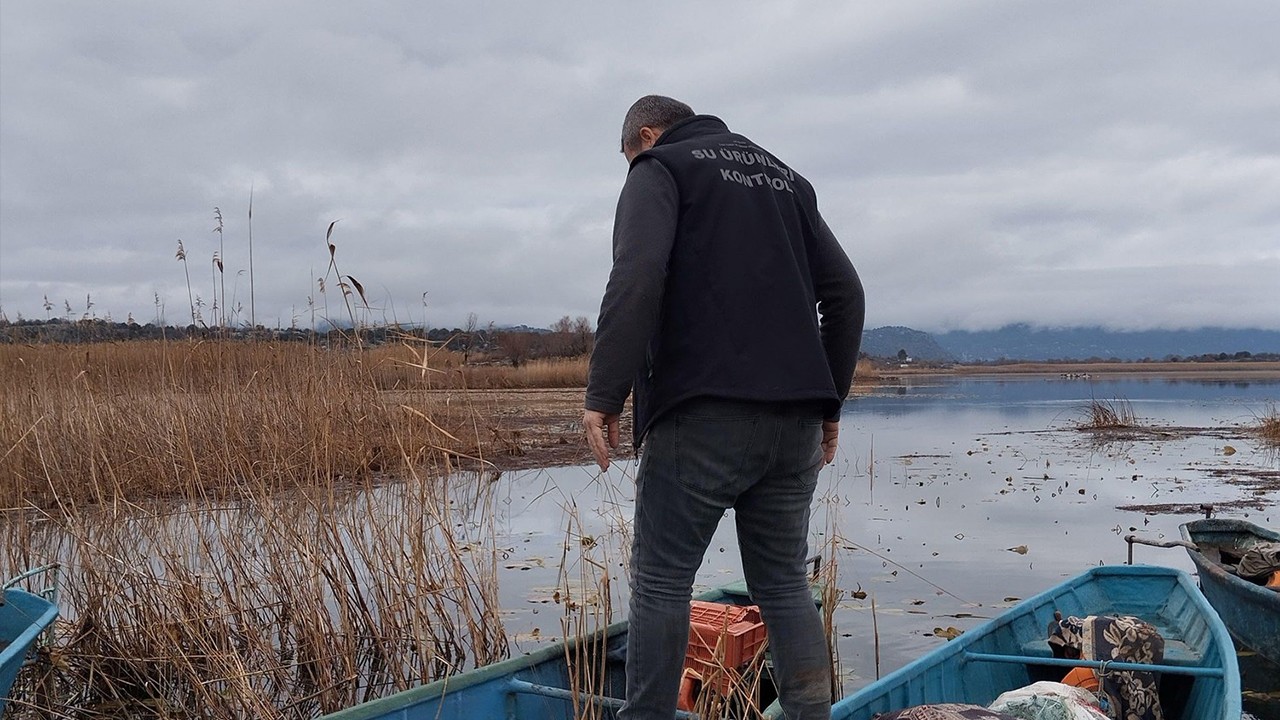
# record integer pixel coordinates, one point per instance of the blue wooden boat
(23, 617)
(534, 686)
(1199, 678)
(1251, 612)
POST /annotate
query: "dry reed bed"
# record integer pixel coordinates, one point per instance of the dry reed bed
(280, 578)
(115, 422)
(555, 373)
(281, 605)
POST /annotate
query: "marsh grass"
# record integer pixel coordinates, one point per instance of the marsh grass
(230, 544)
(828, 576)
(744, 688)
(140, 420)
(552, 373)
(414, 364)
(585, 592)
(275, 611)
(1108, 415)
(1268, 427)
(132, 421)
(457, 370)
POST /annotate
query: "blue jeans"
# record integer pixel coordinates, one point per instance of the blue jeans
(708, 455)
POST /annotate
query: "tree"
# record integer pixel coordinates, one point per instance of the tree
(468, 337)
(563, 325)
(560, 343)
(517, 346)
(902, 355)
(583, 336)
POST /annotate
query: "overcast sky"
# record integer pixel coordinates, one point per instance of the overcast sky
(983, 163)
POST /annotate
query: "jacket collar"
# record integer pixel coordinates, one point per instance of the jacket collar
(692, 127)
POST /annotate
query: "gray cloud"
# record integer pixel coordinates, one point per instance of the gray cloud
(983, 163)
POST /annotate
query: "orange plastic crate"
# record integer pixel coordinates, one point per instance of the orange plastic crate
(722, 639)
(736, 630)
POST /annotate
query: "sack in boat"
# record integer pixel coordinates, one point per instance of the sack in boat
(1049, 701)
(1259, 562)
(1127, 694)
(945, 711)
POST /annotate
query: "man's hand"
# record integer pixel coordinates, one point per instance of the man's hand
(602, 434)
(830, 436)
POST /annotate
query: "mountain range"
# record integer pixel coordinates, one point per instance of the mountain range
(1026, 342)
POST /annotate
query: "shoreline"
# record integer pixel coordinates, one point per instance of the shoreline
(540, 427)
(1175, 370)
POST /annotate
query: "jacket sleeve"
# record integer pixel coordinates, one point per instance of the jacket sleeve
(841, 308)
(644, 230)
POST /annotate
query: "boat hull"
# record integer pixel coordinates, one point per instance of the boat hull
(1201, 680)
(22, 618)
(1251, 612)
(529, 687)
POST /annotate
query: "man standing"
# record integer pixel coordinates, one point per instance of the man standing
(736, 316)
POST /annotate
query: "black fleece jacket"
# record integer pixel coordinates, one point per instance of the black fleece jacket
(726, 282)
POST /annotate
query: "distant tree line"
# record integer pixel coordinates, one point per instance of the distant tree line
(1240, 356)
(566, 338)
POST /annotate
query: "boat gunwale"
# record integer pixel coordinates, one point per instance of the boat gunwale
(14, 654)
(20, 644)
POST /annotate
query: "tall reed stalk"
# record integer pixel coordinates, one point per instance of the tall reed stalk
(253, 304)
(585, 592)
(181, 255)
(217, 264)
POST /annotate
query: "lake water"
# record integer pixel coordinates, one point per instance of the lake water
(950, 499)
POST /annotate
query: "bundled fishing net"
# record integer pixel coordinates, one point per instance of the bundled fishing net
(1049, 701)
(945, 711)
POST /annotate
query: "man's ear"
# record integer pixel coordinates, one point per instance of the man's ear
(649, 136)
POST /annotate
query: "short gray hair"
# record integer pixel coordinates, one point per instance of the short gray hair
(656, 111)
